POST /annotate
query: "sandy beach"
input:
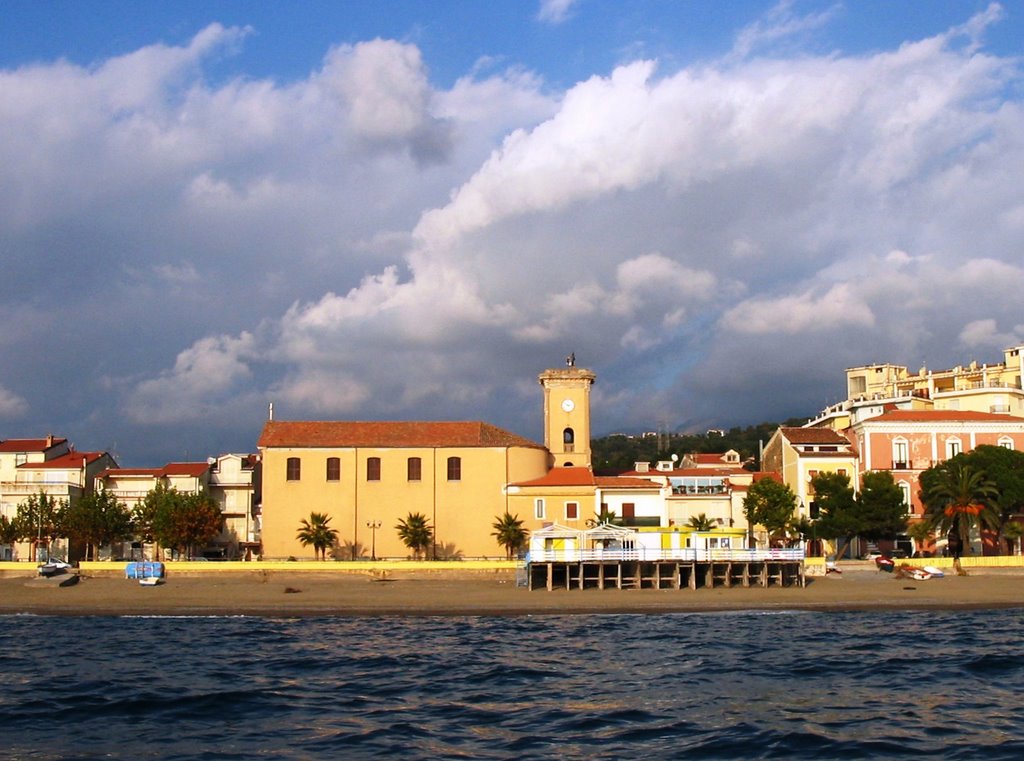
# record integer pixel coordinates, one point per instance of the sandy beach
(287, 594)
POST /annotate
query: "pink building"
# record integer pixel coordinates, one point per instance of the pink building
(907, 442)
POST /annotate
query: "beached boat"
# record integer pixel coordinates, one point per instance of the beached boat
(53, 568)
(149, 581)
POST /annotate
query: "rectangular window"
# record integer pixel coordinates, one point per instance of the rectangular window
(572, 511)
(538, 509)
(454, 468)
(415, 469)
(899, 454)
(628, 511)
(842, 472)
(373, 469)
(952, 448)
(333, 468)
(293, 470)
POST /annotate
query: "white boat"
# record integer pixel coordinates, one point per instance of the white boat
(149, 581)
(53, 568)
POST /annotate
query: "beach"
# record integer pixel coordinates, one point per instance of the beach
(290, 594)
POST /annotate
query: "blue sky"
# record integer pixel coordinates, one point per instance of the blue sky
(407, 210)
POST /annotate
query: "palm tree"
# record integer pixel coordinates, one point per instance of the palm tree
(701, 522)
(317, 532)
(415, 533)
(959, 498)
(509, 532)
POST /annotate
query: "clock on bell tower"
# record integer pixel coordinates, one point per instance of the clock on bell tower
(567, 413)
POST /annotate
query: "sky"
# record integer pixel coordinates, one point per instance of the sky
(407, 210)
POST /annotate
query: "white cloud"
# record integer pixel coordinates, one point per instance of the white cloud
(985, 334)
(555, 11)
(204, 376)
(11, 405)
(839, 307)
(363, 243)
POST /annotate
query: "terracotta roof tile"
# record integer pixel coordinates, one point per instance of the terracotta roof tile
(395, 434)
(580, 476)
(814, 436)
(70, 460)
(30, 445)
(194, 469)
(949, 416)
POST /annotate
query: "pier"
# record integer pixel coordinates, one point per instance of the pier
(679, 569)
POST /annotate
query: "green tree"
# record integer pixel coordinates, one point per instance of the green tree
(1012, 532)
(836, 505)
(9, 531)
(509, 532)
(883, 512)
(770, 504)
(158, 501)
(701, 523)
(97, 519)
(186, 521)
(317, 532)
(958, 499)
(39, 518)
(1005, 469)
(415, 533)
(607, 516)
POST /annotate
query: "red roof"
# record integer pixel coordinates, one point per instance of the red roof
(70, 460)
(580, 476)
(194, 469)
(814, 436)
(947, 416)
(30, 445)
(723, 472)
(280, 433)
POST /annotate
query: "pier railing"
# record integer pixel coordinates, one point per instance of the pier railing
(615, 555)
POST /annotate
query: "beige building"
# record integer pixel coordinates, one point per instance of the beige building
(231, 480)
(47, 466)
(872, 389)
(799, 454)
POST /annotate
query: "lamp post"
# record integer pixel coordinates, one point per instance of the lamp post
(373, 526)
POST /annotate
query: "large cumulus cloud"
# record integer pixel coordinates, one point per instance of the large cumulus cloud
(718, 241)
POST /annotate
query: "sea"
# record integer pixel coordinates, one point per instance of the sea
(744, 685)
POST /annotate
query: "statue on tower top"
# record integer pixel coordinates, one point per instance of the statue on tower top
(570, 361)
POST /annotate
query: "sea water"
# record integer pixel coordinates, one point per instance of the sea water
(710, 685)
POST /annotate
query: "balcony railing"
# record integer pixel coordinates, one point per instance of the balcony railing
(28, 488)
(653, 554)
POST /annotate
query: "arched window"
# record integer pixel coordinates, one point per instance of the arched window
(333, 468)
(293, 470)
(373, 469)
(569, 439)
(454, 468)
(1006, 442)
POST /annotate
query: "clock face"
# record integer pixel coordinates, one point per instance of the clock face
(568, 405)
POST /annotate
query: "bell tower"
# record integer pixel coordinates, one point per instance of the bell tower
(567, 413)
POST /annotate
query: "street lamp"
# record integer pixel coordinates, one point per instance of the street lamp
(373, 526)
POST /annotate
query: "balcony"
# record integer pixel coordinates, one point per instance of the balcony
(50, 488)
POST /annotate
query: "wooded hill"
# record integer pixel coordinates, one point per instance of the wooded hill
(619, 452)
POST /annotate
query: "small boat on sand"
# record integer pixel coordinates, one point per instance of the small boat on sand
(53, 568)
(149, 581)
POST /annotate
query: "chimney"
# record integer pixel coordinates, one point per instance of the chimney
(270, 412)
(49, 440)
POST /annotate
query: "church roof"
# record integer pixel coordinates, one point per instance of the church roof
(387, 434)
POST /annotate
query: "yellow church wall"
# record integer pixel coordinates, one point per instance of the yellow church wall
(461, 512)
